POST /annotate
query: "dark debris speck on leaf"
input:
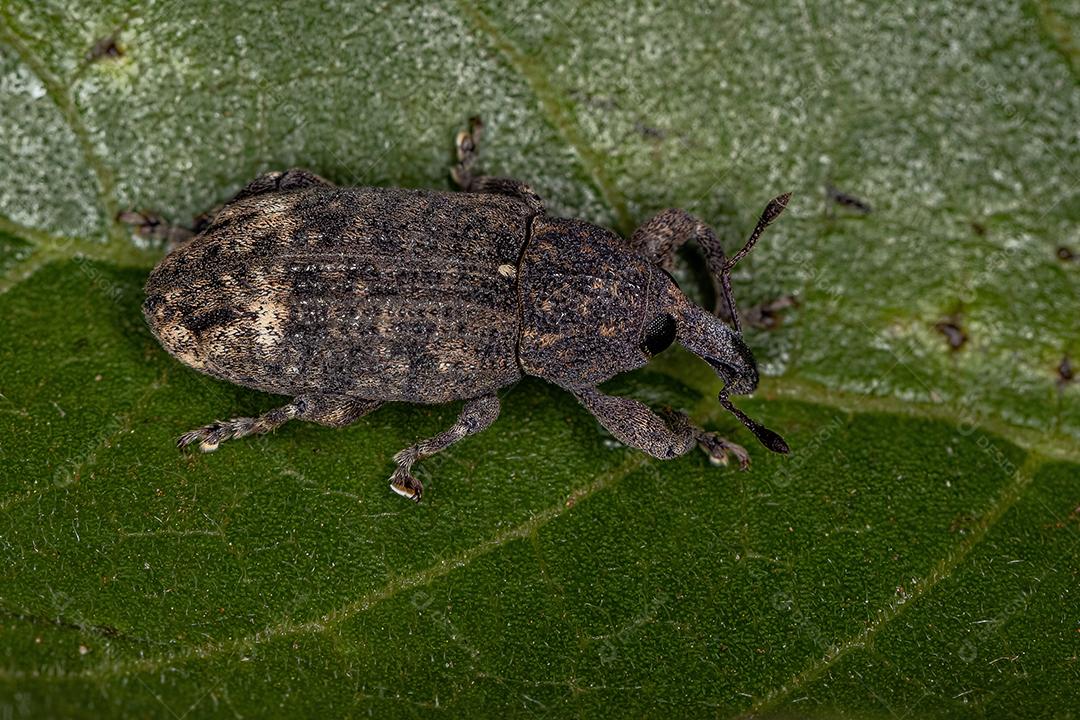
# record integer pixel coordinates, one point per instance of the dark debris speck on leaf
(767, 315)
(847, 200)
(1065, 371)
(953, 333)
(650, 132)
(107, 47)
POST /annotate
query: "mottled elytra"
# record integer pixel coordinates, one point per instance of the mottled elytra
(347, 298)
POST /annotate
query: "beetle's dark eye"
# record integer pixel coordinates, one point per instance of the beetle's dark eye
(659, 334)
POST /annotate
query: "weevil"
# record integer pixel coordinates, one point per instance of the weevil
(346, 298)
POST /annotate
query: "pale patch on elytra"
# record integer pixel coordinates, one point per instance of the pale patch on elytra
(182, 343)
(270, 204)
(269, 319)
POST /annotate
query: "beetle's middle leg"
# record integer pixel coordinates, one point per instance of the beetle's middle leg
(477, 415)
(331, 410)
(464, 175)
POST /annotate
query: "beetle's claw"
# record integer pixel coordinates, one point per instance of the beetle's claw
(154, 227)
(208, 437)
(404, 484)
(187, 438)
(720, 450)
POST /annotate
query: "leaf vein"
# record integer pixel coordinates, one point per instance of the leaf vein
(406, 582)
(559, 117)
(61, 97)
(1007, 499)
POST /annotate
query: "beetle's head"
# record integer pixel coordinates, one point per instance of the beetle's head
(675, 318)
(593, 311)
(711, 339)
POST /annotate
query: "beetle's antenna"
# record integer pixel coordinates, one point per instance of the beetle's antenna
(765, 436)
(770, 213)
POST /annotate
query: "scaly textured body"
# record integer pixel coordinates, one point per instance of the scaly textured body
(347, 298)
(384, 294)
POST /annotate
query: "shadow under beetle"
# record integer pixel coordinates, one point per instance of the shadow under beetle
(348, 298)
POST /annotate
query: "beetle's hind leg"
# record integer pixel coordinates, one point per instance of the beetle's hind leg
(154, 227)
(477, 415)
(468, 151)
(331, 410)
(281, 181)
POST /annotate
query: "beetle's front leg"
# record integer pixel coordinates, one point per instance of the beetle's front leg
(477, 415)
(634, 424)
(662, 236)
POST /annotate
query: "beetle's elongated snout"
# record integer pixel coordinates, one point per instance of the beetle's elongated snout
(708, 337)
(711, 339)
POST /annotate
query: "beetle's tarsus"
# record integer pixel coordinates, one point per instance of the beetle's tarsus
(476, 415)
(217, 432)
(721, 450)
(154, 227)
(404, 484)
(467, 144)
(208, 437)
(330, 410)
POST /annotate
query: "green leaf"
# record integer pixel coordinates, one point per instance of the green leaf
(916, 554)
